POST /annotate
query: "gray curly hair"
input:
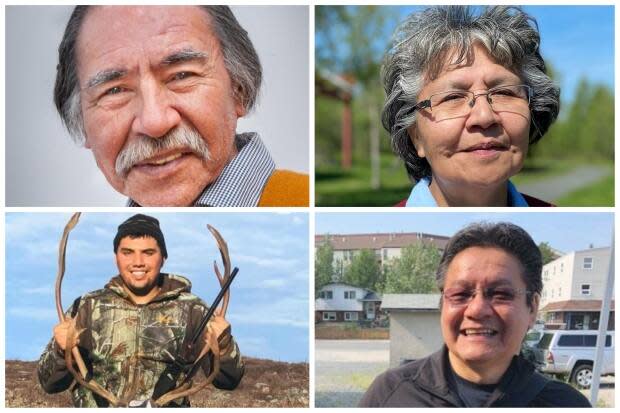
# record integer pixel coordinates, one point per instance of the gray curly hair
(240, 59)
(421, 46)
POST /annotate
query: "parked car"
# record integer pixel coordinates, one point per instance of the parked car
(571, 353)
(533, 337)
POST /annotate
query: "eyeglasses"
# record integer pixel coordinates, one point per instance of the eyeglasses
(456, 103)
(498, 296)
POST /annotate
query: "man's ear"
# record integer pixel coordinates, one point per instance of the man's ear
(415, 140)
(239, 105)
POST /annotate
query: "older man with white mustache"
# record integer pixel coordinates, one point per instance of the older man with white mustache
(156, 92)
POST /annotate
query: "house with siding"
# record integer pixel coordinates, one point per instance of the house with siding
(573, 289)
(344, 302)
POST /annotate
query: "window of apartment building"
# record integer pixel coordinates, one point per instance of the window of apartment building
(586, 289)
(385, 254)
(561, 267)
(552, 293)
(328, 295)
(329, 316)
(350, 255)
(588, 263)
(554, 270)
(349, 295)
(350, 316)
(559, 292)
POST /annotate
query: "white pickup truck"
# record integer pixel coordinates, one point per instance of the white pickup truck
(571, 353)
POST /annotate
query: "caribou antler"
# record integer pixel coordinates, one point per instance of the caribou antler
(223, 247)
(187, 389)
(210, 343)
(71, 349)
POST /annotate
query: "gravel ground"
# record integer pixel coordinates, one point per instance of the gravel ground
(606, 392)
(345, 368)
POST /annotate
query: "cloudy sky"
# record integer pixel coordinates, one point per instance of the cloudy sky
(269, 299)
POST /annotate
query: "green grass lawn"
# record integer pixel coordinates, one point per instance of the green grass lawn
(335, 187)
(600, 193)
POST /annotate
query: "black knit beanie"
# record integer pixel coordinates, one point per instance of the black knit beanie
(141, 225)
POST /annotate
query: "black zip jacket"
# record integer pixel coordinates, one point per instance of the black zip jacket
(426, 383)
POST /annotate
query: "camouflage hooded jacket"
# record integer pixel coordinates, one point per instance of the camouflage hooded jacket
(128, 346)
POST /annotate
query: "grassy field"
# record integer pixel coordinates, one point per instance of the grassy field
(600, 193)
(335, 187)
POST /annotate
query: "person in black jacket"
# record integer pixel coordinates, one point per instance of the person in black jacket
(490, 280)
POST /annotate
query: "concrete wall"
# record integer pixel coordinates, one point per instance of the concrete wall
(413, 335)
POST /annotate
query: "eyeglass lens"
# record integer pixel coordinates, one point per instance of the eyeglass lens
(452, 104)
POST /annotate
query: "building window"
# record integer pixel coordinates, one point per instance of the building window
(329, 316)
(350, 316)
(349, 295)
(588, 263)
(559, 292)
(562, 267)
(586, 289)
(551, 293)
(327, 295)
(385, 254)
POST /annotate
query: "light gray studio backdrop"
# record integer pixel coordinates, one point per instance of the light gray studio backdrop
(43, 165)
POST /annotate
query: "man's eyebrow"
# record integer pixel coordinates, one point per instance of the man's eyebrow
(185, 55)
(105, 76)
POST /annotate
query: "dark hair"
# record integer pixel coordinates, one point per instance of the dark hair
(419, 50)
(240, 59)
(505, 236)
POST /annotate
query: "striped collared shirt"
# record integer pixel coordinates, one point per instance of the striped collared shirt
(241, 182)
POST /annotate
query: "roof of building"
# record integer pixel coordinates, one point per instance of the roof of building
(411, 302)
(378, 241)
(575, 305)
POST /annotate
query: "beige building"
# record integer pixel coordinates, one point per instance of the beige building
(385, 246)
(415, 330)
(573, 289)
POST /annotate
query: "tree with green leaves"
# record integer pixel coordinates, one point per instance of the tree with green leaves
(414, 271)
(364, 270)
(323, 264)
(548, 254)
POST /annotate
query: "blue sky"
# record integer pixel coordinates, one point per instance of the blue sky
(578, 41)
(562, 230)
(269, 299)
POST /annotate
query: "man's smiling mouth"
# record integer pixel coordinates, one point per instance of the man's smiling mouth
(486, 332)
(166, 159)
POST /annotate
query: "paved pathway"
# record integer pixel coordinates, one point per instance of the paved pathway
(557, 186)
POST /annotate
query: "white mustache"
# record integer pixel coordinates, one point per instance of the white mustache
(145, 147)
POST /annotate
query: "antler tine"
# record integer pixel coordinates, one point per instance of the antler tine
(62, 250)
(72, 351)
(223, 247)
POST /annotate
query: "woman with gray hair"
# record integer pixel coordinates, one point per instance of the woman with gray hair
(462, 150)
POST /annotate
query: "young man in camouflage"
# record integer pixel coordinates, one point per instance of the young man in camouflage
(136, 325)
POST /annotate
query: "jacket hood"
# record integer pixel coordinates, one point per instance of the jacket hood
(171, 287)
